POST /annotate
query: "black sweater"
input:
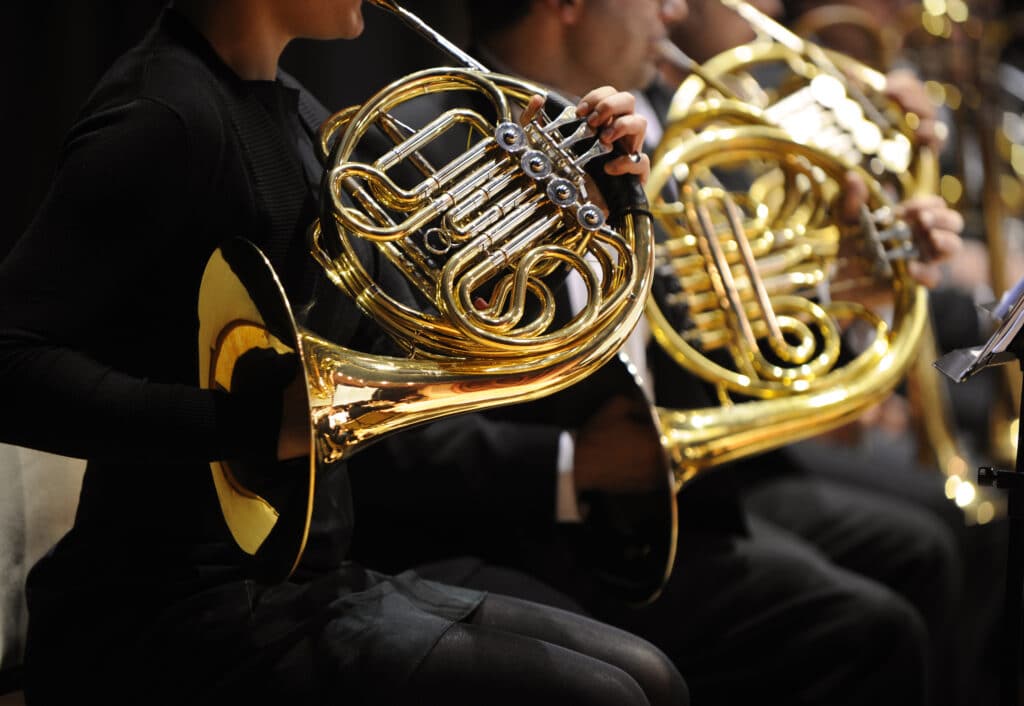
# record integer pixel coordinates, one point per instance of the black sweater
(98, 305)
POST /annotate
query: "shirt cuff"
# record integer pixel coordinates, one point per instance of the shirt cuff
(567, 507)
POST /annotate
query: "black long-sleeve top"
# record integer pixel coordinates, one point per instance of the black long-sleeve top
(98, 301)
(147, 598)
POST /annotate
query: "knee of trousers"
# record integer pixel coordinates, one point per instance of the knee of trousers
(874, 649)
(892, 632)
(614, 686)
(660, 679)
(935, 571)
(945, 557)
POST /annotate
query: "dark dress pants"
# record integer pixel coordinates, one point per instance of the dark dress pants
(966, 639)
(888, 537)
(758, 617)
(768, 618)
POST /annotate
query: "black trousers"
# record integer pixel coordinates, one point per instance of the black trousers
(770, 616)
(964, 640)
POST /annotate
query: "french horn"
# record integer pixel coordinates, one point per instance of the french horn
(956, 47)
(772, 282)
(820, 97)
(480, 240)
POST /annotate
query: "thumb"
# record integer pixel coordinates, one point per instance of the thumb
(855, 195)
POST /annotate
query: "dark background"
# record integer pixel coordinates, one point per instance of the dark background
(54, 52)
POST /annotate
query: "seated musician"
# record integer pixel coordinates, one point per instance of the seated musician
(830, 615)
(194, 136)
(877, 454)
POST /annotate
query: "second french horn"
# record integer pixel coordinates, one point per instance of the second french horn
(798, 318)
(478, 239)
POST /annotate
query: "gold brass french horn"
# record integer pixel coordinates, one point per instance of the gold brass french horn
(774, 284)
(479, 238)
(772, 281)
(819, 97)
(956, 48)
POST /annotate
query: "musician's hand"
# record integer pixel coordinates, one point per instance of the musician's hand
(906, 89)
(936, 229)
(613, 115)
(855, 196)
(293, 440)
(617, 450)
(261, 377)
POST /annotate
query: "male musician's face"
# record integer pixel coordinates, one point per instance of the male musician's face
(615, 41)
(712, 28)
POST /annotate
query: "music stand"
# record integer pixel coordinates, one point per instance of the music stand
(1004, 346)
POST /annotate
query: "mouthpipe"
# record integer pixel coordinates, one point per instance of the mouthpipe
(671, 54)
(428, 33)
(622, 194)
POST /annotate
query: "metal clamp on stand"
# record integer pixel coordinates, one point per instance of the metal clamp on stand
(998, 478)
